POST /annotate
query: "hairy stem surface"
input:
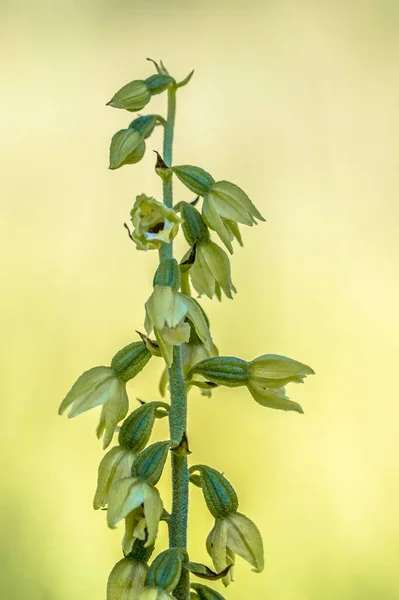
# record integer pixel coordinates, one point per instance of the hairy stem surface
(178, 394)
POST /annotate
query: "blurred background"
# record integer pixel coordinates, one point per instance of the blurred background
(296, 102)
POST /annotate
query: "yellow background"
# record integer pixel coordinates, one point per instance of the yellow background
(296, 102)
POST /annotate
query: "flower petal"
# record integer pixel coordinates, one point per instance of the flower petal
(214, 221)
(219, 264)
(153, 507)
(88, 381)
(116, 464)
(244, 539)
(196, 315)
(116, 409)
(124, 496)
(272, 398)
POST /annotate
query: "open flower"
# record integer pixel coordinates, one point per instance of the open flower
(126, 580)
(231, 535)
(153, 223)
(269, 373)
(228, 201)
(210, 272)
(166, 312)
(96, 387)
(127, 495)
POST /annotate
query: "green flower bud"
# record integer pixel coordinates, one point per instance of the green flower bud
(129, 361)
(149, 464)
(168, 274)
(126, 580)
(132, 97)
(127, 148)
(144, 125)
(203, 592)
(165, 571)
(153, 223)
(136, 429)
(219, 494)
(196, 179)
(223, 370)
(158, 83)
(194, 227)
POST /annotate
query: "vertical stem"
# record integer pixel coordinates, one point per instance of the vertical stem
(178, 393)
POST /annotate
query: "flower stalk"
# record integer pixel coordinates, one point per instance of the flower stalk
(181, 338)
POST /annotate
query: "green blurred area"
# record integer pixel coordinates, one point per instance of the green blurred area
(296, 102)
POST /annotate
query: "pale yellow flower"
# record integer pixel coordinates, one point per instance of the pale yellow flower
(153, 223)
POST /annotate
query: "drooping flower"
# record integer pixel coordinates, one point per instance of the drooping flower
(231, 535)
(210, 272)
(99, 386)
(153, 223)
(126, 580)
(106, 387)
(228, 201)
(127, 495)
(166, 313)
(115, 465)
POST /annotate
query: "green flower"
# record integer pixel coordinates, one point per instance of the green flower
(153, 223)
(268, 374)
(127, 495)
(231, 535)
(210, 273)
(96, 387)
(166, 311)
(115, 465)
(126, 580)
(228, 201)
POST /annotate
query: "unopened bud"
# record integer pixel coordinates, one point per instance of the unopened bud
(127, 148)
(196, 179)
(132, 97)
(129, 361)
(144, 125)
(219, 494)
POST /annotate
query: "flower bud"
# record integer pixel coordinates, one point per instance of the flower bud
(219, 494)
(158, 83)
(165, 570)
(126, 580)
(196, 179)
(194, 227)
(127, 148)
(129, 361)
(223, 370)
(203, 592)
(149, 464)
(144, 125)
(136, 429)
(168, 274)
(132, 97)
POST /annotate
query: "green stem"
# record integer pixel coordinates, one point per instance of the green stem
(178, 394)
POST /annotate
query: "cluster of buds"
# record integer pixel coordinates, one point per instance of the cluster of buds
(175, 325)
